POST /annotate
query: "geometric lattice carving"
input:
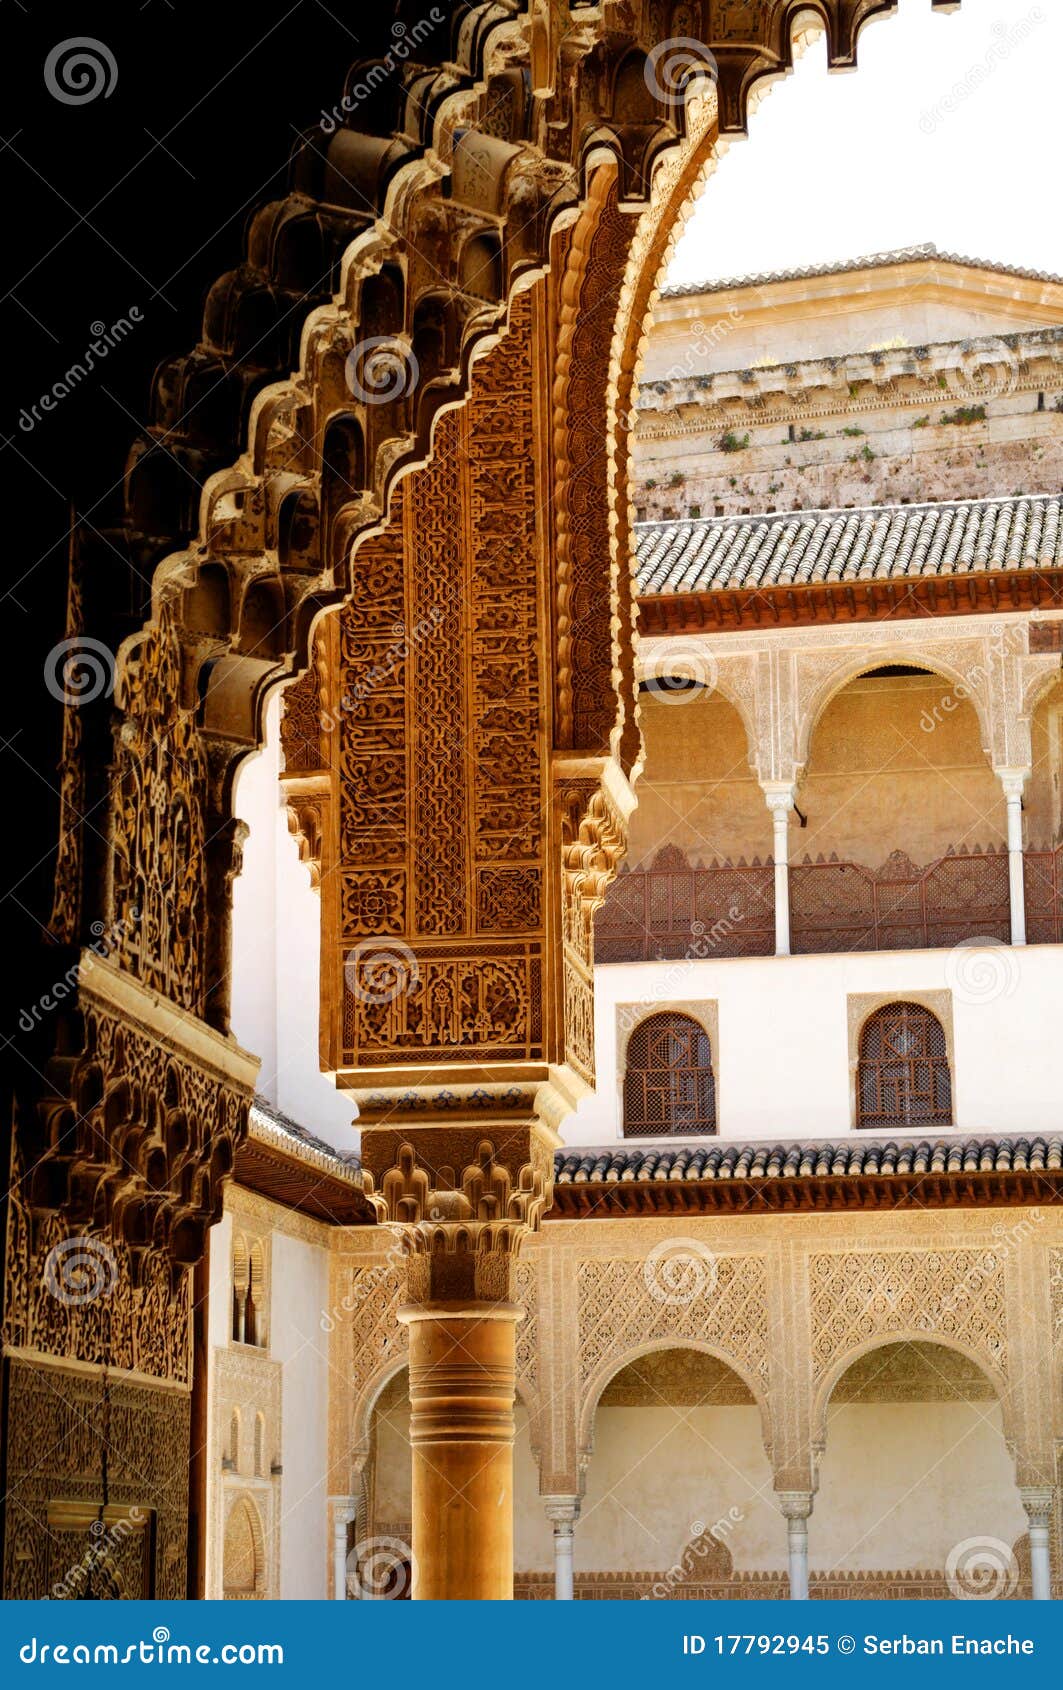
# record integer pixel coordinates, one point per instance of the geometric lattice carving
(957, 1294)
(723, 1302)
(903, 1073)
(669, 1086)
(843, 906)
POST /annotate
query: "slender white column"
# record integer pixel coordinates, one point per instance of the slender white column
(780, 800)
(343, 1512)
(796, 1507)
(1013, 781)
(563, 1511)
(1037, 1502)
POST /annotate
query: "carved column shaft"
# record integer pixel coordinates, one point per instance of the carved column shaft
(462, 1385)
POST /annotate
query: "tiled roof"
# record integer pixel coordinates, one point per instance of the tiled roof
(842, 267)
(880, 543)
(271, 1127)
(768, 1161)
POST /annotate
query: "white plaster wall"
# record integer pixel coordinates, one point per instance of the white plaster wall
(276, 954)
(299, 1293)
(219, 1298)
(656, 1473)
(782, 1061)
(901, 1484)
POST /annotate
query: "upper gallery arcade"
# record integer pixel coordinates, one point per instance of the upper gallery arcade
(428, 660)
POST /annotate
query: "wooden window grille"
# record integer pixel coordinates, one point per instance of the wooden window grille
(903, 1075)
(669, 1085)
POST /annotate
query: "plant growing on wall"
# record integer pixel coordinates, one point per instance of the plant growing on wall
(963, 415)
(731, 442)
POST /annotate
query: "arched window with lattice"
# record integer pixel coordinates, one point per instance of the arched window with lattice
(903, 1077)
(669, 1084)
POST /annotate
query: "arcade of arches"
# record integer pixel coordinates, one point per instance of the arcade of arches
(548, 1334)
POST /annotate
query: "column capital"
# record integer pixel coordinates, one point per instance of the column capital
(1038, 1501)
(562, 1512)
(462, 1200)
(1013, 780)
(779, 795)
(795, 1504)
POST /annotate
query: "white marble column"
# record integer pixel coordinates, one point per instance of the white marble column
(796, 1507)
(1013, 781)
(779, 795)
(343, 1512)
(563, 1511)
(1037, 1501)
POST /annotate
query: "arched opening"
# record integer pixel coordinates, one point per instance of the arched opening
(244, 1567)
(669, 1083)
(902, 1076)
(902, 843)
(937, 1508)
(679, 1499)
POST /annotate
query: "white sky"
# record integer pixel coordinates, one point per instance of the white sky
(842, 165)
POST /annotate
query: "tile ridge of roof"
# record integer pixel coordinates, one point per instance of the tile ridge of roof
(869, 261)
(752, 517)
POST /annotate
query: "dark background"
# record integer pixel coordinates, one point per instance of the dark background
(137, 199)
